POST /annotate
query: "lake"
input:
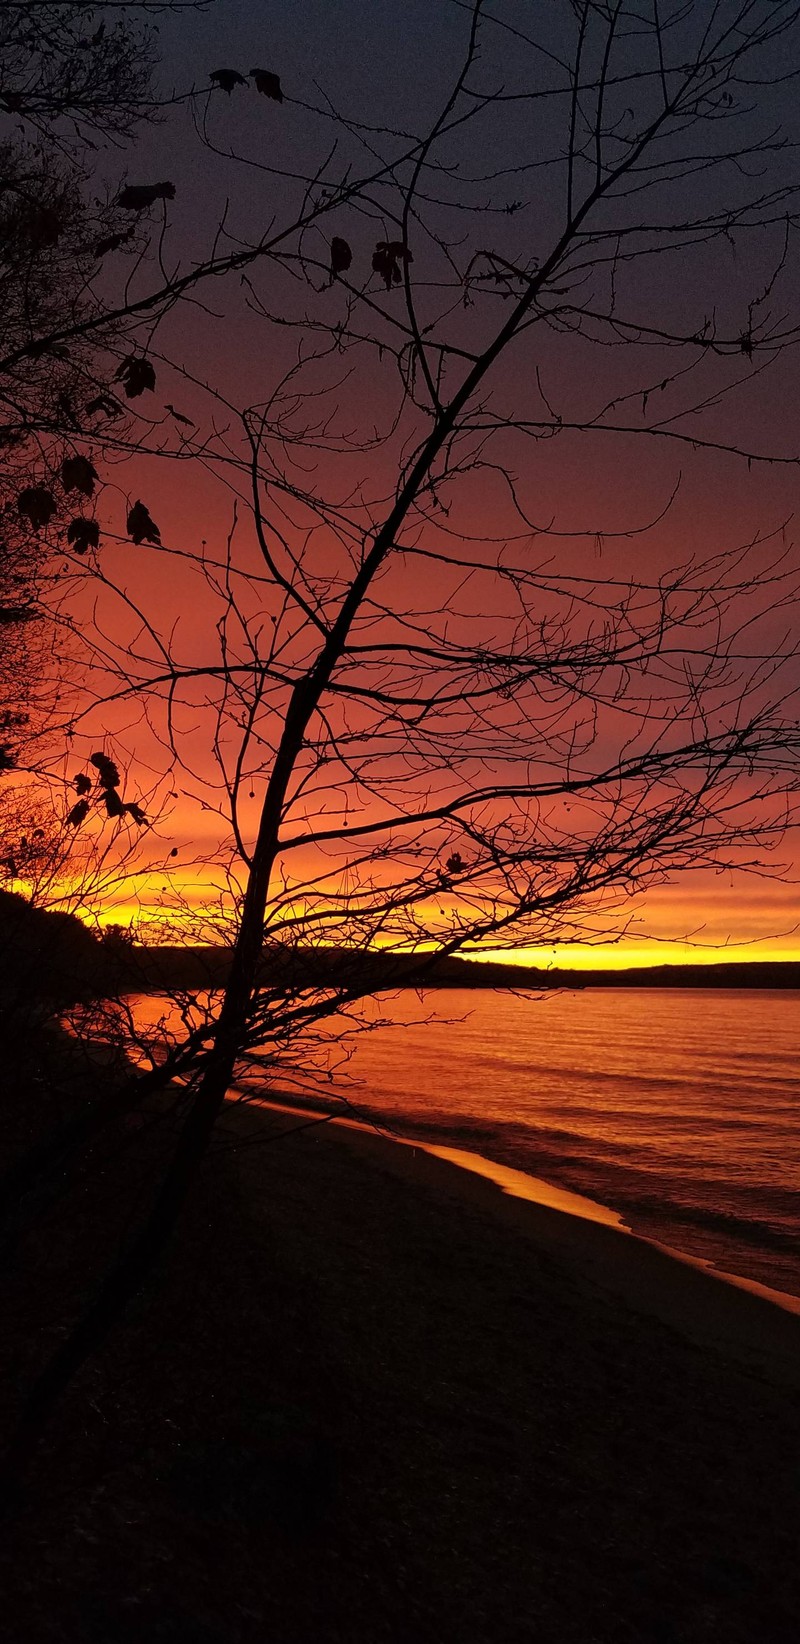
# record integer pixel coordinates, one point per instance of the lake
(676, 1108)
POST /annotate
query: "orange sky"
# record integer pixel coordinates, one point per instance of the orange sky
(698, 918)
(577, 490)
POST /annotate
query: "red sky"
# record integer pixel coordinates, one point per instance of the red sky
(583, 491)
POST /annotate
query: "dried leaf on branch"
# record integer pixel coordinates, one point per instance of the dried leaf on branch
(227, 78)
(107, 773)
(138, 196)
(83, 534)
(105, 403)
(268, 84)
(112, 242)
(78, 814)
(78, 474)
(179, 417)
(137, 376)
(386, 260)
(37, 505)
(341, 256)
(141, 527)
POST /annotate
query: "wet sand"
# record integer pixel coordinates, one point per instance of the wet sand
(721, 1310)
(746, 1321)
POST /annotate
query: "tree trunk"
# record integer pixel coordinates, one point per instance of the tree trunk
(124, 1279)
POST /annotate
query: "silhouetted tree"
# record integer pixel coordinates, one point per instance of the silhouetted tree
(424, 731)
(72, 76)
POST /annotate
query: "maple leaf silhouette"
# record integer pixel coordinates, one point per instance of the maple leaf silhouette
(78, 474)
(82, 534)
(136, 812)
(113, 803)
(341, 256)
(138, 196)
(137, 375)
(227, 78)
(455, 863)
(82, 783)
(36, 504)
(268, 84)
(79, 813)
(141, 528)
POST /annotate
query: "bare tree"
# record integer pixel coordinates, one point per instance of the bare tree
(423, 725)
(73, 78)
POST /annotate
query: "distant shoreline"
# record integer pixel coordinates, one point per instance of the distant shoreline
(153, 968)
(57, 956)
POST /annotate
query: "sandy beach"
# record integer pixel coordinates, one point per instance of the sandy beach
(371, 1397)
(715, 1309)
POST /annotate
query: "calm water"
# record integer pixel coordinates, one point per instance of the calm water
(677, 1108)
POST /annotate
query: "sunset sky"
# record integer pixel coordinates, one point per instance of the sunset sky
(599, 507)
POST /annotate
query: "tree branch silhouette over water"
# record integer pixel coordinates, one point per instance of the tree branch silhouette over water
(411, 716)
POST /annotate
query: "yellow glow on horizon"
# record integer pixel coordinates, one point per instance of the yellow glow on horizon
(578, 956)
(759, 921)
(617, 956)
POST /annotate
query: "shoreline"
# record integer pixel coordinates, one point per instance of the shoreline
(756, 1325)
(519, 1184)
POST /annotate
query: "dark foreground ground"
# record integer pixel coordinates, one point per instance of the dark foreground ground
(358, 1405)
